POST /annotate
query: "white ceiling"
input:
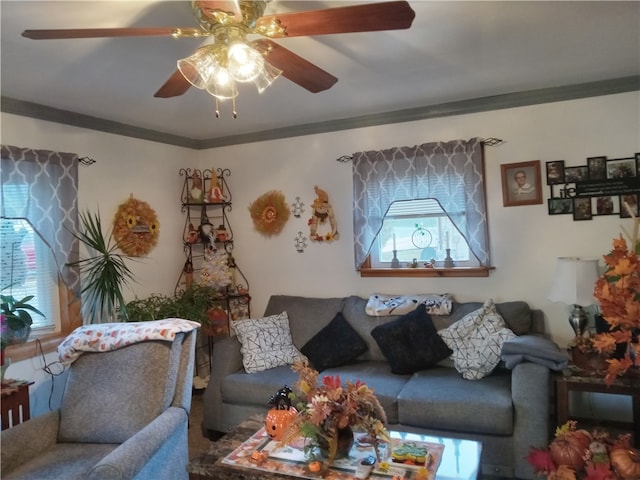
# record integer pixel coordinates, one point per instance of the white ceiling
(454, 51)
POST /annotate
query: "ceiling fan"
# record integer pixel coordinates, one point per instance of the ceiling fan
(229, 22)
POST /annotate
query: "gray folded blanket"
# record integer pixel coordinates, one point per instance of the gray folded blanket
(532, 348)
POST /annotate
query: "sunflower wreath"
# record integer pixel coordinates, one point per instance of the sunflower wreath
(270, 212)
(135, 227)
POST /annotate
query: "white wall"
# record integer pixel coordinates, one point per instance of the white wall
(525, 241)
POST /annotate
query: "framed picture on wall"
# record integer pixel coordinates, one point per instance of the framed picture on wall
(628, 202)
(576, 174)
(521, 183)
(582, 208)
(621, 168)
(597, 168)
(606, 205)
(560, 206)
(555, 172)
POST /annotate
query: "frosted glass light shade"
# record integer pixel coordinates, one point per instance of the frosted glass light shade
(268, 75)
(245, 63)
(221, 85)
(198, 67)
(574, 281)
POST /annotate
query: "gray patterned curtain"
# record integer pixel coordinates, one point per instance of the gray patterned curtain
(451, 172)
(51, 206)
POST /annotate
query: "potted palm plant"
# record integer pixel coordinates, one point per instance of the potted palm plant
(104, 273)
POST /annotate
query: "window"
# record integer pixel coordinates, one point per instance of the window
(419, 230)
(38, 213)
(28, 268)
(428, 196)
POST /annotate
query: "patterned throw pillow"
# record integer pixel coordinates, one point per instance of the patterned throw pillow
(380, 305)
(476, 341)
(266, 342)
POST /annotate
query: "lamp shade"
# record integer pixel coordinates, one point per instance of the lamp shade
(574, 281)
(198, 67)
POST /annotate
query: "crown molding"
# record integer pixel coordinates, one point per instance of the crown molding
(475, 105)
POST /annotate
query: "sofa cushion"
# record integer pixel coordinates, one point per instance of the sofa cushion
(476, 341)
(265, 342)
(411, 342)
(336, 344)
(517, 315)
(439, 398)
(307, 315)
(240, 388)
(378, 377)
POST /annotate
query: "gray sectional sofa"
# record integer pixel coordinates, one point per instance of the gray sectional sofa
(508, 410)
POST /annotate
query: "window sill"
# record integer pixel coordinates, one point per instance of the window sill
(70, 319)
(426, 272)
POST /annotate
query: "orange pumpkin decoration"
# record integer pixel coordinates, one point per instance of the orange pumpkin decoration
(569, 448)
(626, 462)
(315, 466)
(277, 421)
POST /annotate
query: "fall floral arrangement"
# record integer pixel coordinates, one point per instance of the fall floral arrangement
(327, 408)
(135, 227)
(576, 454)
(618, 292)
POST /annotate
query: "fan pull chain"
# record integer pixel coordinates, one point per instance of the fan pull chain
(217, 108)
(233, 103)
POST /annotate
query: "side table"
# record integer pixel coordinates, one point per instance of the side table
(15, 402)
(572, 382)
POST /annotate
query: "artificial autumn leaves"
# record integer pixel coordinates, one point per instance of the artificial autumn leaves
(618, 292)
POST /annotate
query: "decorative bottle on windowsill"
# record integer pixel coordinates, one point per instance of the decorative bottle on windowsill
(448, 261)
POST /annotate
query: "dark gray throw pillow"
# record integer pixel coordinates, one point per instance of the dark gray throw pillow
(411, 342)
(336, 344)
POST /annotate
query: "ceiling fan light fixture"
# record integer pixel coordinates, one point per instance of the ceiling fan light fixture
(221, 85)
(244, 63)
(268, 75)
(198, 67)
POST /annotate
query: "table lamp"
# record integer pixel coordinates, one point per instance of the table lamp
(573, 284)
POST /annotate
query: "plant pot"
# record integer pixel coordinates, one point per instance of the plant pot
(18, 336)
(345, 442)
(589, 362)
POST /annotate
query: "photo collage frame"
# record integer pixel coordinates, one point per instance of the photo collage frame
(603, 186)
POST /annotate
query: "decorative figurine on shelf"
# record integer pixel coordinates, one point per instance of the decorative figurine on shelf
(221, 234)
(196, 193)
(215, 271)
(322, 211)
(192, 236)
(188, 273)
(215, 192)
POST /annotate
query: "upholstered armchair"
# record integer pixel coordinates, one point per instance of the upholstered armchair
(123, 414)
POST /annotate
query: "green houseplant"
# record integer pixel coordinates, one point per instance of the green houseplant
(16, 319)
(104, 273)
(197, 303)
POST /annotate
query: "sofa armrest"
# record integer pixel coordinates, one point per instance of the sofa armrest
(138, 452)
(226, 359)
(530, 391)
(20, 444)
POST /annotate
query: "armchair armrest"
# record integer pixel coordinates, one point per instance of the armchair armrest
(27, 440)
(530, 387)
(226, 359)
(138, 452)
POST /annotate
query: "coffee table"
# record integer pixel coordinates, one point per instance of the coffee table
(460, 458)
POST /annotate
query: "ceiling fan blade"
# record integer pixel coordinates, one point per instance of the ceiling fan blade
(175, 86)
(296, 68)
(230, 7)
(113, 32)
(357, 18)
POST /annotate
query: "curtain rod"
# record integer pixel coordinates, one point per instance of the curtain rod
(489, 142)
